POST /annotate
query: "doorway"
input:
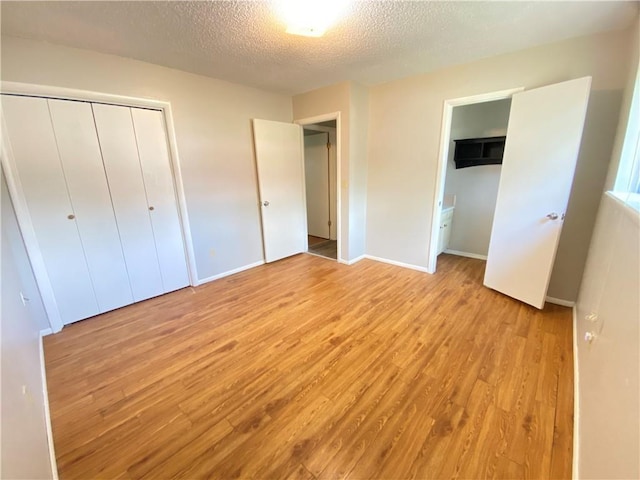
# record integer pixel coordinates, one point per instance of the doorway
(458, 189)
(471, 186)
(540, 153)
(321, 160)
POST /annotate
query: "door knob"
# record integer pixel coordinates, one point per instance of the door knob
(552, 216)
(71, 217)
(265, 203)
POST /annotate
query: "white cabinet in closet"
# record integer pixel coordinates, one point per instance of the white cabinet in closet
(43, 184)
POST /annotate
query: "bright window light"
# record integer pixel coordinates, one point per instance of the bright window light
(310, 18)
(627, 185)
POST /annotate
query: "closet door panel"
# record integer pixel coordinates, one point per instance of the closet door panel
(87, 184)
(120, 156)
(158, 180)
(43, 183)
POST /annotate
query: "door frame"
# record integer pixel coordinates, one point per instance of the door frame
(324, 118)
(443, 157)
(19, 201)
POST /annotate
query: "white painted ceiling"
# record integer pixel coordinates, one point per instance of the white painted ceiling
(244, 42)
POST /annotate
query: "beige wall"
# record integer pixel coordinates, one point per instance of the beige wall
(24, 451)
(403, 153)
(609, 369)
(213, 130)
(476, 188)
(359, 120)
(351, 101)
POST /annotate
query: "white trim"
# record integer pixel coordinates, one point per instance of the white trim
(397, 264)
(50, 91)
(324, 118)
(47, 411)
(443, 155)
(576, 399)
(319, 128)
(28, 233)
(560, 301)
(629, 204)
(355, 260)
(45, 331)
(466, 254)
(20, 205)
(230, 272)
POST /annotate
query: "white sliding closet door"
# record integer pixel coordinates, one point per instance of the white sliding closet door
(42, 181)
(156, 171)
(87, 185)
(120, 155)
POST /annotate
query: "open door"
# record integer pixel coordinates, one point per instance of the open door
(543, 141)
(279, 159)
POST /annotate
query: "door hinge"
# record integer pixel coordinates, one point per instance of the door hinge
(329, 223)
(328, 145)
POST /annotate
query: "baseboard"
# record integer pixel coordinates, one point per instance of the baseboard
(47, 411)
(230, 272)
(561, 302)
(397, 264)
(466, 254)
(46, 331)
(576, 398)
(354, 260)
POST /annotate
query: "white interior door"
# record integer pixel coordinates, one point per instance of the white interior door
(543, 141)
(84, 172)
(41, 177)
(279, 158)
(161, 195)
(316, 172)
(122, 165)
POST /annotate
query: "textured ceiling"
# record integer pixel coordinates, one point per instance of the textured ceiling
(244, 42)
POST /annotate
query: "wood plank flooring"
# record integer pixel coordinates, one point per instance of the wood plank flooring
(308, 369)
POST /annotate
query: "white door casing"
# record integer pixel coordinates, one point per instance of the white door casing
(279, 159)
(316, 172)
(333, 184)
(543, 141)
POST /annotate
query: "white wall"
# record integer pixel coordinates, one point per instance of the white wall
(213, 131)
(476, 188)
(24, 451)
(351, 101)
(406, 117)
(609, 368)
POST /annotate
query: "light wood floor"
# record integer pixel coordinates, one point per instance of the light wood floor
(312, 369)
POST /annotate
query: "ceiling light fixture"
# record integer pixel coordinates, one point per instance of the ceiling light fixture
(309, 18)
